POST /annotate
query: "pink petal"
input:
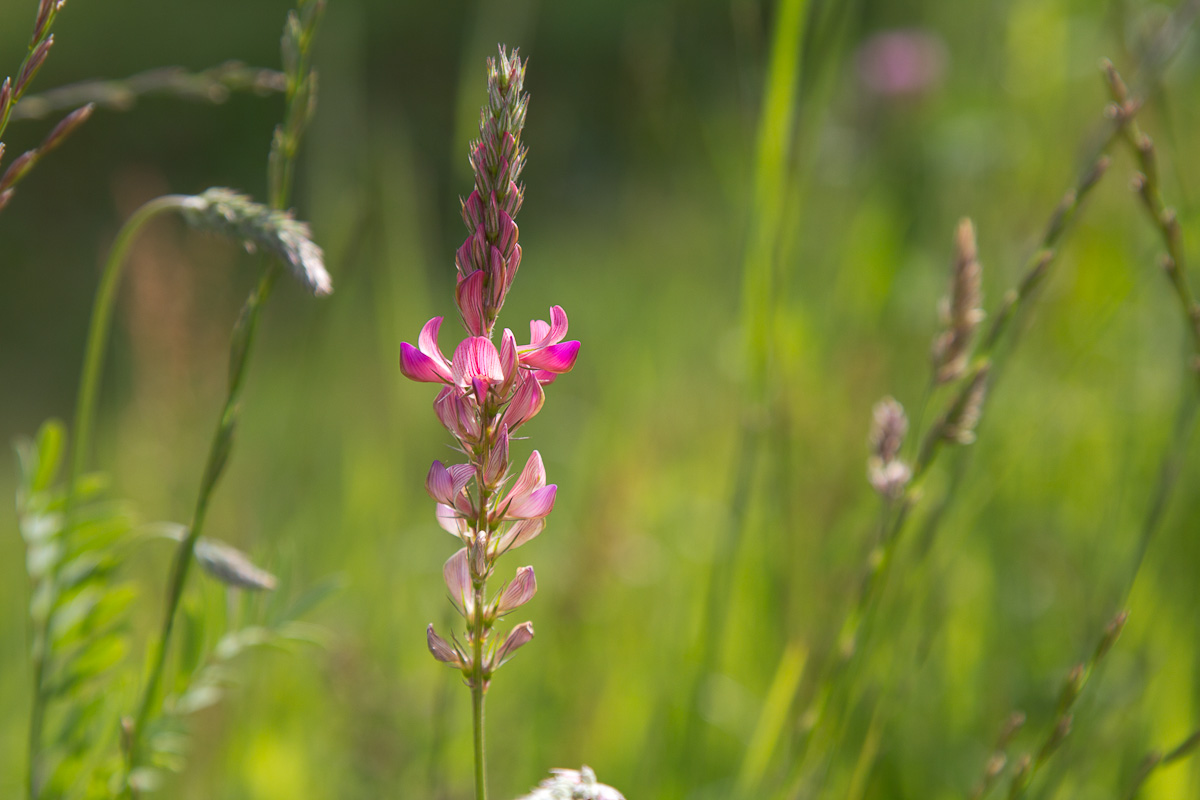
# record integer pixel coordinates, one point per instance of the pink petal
(461, 474)
(458, 582)
(476, 357)
(543, 377)
(520, 636)
(469, 296)
(533, 476)
(439, 484)
(508, 359)
(526, 403)
(451, 521)
(497, 460)
(517, 593)
(427, 342)
(472, 211)
(535, 505)
(508, 233)
(456, 414)
(520, 532)
(442, 650)
(539, 331)
(417, 366)
(558, 325)
(556, 358)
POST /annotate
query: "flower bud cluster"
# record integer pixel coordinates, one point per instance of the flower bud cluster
(962, 310)
(887, 473)
(488, 393)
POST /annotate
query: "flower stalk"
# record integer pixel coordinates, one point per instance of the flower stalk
(487, 394)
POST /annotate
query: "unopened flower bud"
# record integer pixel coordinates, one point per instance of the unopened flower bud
(520, 636)
(444, 651)
(517, 593)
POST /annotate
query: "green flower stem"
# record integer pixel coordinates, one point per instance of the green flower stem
(217, 456)
(85, 415)
(478, 690)
(479, 628)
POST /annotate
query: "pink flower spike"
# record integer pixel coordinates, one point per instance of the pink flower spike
(469, 296)
(442, 650)
(458, 581)
(556, 358)
(534, 505)
(475, 361)
(517, 593)
(520, 636)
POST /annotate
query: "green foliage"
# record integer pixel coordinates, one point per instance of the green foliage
(78, 617)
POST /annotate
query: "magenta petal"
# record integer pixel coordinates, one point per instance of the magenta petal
(439, 484)
(417, 366)
(476, 357)
(535, 505)
(469, 296)
(533, 476)
(508, 354)
(556, 358)
(543, 377)
(558, 325)
(461, 475)
(539, 331)
(427, 342)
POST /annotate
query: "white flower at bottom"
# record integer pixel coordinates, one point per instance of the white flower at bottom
(569, 784)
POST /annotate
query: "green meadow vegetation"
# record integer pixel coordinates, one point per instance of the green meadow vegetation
(759, 581)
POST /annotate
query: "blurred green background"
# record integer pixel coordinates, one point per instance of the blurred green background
(642, 134)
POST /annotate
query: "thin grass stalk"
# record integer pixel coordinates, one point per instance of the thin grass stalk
(213, 85)
(1155, 759)
(984, 366)
(1072, 686)
(299, 100)
(92, 368)
(759, 312)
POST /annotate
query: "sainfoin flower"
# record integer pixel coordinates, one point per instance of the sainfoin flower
(489, 390)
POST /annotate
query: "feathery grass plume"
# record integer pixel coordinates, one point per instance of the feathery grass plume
(212, 85)
(958, 424)
(887, 473)
(11, 93)
(256, 226)
(569, 784)
(961, 311)
(487, 394)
